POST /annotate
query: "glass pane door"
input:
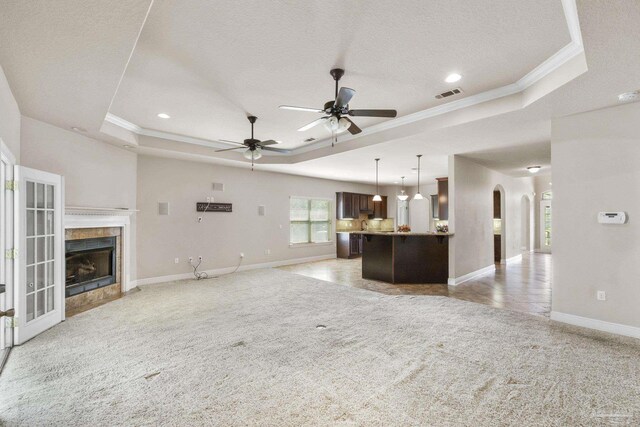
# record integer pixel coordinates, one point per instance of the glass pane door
(40, 250)
(40, 303)
(545, 226)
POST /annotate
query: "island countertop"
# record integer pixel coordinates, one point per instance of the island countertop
(400, 233)
(397, 257)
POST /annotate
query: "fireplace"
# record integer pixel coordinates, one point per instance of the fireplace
(90, 264)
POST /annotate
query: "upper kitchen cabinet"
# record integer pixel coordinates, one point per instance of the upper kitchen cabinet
(347, 205)
(380, 208)
(443, 198)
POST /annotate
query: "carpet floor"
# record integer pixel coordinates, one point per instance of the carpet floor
(267, 347)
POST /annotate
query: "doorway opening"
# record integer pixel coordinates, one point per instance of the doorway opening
(545, 222)
(499, 246)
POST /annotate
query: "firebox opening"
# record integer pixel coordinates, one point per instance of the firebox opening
(90, 264)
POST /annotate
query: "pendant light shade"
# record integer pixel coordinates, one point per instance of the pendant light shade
(377, 197)
(418, 195)
(403, 195)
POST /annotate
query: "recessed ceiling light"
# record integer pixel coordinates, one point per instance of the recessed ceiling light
(629, 96)
(126, 146)
(453, 77)
(164, 116)
(533, 169)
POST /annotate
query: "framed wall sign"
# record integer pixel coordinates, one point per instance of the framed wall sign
(213, 207)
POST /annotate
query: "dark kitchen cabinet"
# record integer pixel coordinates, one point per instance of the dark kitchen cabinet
(347, 205)
(380, 209)
(349, 245)
(364, 203)
(443, 198)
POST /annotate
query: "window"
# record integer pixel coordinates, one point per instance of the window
(310, 220)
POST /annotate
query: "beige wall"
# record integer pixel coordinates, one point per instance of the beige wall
(471, 215)
(96, 174)
(9, 118)
(220, 237)
(596, 167)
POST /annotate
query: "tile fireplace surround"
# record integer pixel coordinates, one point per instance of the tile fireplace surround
(86, 223)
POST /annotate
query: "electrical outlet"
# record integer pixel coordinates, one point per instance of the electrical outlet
(601, 295)
(177, 260)
(190, 259)
(241, 254)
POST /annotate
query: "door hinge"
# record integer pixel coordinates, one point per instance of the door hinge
(11, 185)
(11, 254)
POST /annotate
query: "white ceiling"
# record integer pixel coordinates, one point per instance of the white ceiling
(209, 67)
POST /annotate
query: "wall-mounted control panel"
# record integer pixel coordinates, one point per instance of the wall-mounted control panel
(612, 217)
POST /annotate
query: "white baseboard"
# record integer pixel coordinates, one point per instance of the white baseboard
(453, 281)
(218, 271)
(599, 325)
(511, 260)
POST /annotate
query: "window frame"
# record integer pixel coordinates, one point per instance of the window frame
(309, 221)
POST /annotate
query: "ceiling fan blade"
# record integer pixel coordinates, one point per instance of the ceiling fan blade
(229, 149)
(226, 141)
(294, 108)
(269, 142)
(373, 113)
(276, 150)
(353, 129)
(344, 96)
(312, 124)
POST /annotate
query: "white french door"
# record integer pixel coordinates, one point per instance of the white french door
(39, 252)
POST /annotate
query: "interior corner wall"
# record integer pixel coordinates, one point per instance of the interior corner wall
(595, 159)
(9, 117)
(220, 237)
(471, 201)
(96, 174)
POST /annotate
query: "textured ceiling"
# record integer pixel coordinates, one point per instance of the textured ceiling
(64, 59)
(210, 66)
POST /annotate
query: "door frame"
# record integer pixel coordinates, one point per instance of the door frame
(543, 204)
(6, 233)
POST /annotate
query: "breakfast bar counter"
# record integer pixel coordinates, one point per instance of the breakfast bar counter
(398, 257)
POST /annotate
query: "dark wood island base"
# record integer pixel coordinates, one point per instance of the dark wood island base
(406, 257)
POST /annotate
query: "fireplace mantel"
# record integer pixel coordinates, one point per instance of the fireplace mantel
(86, 217)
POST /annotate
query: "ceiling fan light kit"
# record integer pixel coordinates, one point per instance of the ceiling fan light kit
(336, 110)
(253, 147)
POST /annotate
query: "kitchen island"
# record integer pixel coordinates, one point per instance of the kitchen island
(397, 257)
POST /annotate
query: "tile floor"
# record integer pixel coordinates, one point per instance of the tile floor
(521, 286)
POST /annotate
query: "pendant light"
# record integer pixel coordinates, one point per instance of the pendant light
(418, 196)
(403, 195)
(377, 197)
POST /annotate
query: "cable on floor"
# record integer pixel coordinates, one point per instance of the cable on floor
(200, 275)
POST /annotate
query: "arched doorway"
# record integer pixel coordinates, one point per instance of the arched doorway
(499, 224)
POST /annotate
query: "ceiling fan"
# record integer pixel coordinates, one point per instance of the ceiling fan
(253, 146)
(336, 109)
